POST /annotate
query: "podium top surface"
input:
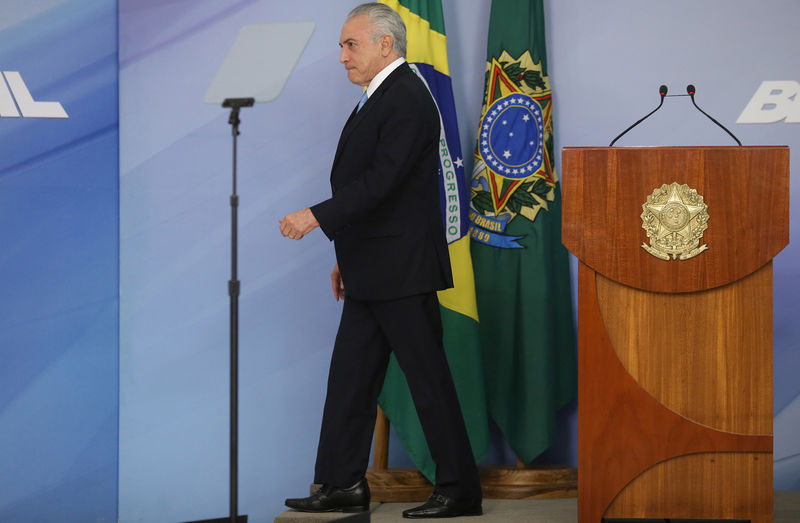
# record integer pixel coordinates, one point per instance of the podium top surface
(609, 193)
(673, 147)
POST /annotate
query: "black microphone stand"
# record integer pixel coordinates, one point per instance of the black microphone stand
(233, 292)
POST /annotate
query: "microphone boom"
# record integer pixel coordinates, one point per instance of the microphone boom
(690, 90)
(661, 91)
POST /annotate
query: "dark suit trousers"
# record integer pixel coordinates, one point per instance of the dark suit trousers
(369, 331)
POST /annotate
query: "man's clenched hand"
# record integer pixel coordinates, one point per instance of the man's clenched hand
(298, 224)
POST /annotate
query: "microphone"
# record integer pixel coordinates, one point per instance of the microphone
(690, 90)
(661, 91)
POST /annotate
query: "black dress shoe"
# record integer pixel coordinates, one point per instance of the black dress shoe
(440, 506)
(332, 499)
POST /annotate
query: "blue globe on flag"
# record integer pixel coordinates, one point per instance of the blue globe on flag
(512, 136)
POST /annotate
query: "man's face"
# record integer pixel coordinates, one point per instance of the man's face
(362, 58)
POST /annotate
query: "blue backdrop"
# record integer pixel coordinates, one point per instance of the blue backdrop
(63, 456)
(58, 266)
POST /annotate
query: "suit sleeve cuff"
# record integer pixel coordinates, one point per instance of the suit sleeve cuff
(326, 217)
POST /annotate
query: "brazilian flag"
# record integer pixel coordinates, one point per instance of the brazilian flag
(522, 278)
(427, 55)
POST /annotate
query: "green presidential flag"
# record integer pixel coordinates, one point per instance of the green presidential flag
(427, 56)
(522, 278)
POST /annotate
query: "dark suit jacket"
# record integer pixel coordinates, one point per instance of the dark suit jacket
(384, 216)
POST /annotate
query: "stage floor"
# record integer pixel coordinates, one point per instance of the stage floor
(787, 510)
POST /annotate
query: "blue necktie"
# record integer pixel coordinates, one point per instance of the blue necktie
(362, 101)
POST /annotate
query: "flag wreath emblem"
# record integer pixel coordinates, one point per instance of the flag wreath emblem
(513, 174)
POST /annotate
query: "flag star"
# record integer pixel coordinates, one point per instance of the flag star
(485, 135)
(494, 162)
(506, 154)
(489, 118)
(510, 134)
(530, 167)
(494, 113)
(488, 157)
(484, 142)
(505, 122)
(525, 118)
(530, 143)
(485, 126)
(505, 104)
(515, 171)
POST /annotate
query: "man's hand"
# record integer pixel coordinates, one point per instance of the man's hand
(298, 224)
(337, 283)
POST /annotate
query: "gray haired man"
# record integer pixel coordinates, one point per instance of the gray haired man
(392, 257)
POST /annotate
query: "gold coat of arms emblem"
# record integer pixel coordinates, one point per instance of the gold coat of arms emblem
(674, 217)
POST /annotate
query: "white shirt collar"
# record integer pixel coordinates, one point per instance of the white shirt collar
(381, 76)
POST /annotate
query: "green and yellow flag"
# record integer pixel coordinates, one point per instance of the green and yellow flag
(521, 269)
(427, 55)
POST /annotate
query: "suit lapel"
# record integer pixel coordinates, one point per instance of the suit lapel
(357, 116)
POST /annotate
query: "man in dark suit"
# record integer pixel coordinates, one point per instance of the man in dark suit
(392, 257)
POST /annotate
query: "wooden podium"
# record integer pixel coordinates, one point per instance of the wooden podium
(675, 356)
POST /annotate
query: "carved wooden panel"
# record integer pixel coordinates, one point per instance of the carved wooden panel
(707, 486)
(623, 430)
(705, 355)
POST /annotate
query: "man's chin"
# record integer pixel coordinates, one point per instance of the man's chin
(356, 78)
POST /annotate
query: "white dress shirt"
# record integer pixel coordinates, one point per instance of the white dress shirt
(381, 76)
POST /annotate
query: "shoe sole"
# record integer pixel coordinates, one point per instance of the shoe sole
(478, 512)
(336, 509)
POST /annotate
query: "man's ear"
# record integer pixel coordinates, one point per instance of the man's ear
(387, 42)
